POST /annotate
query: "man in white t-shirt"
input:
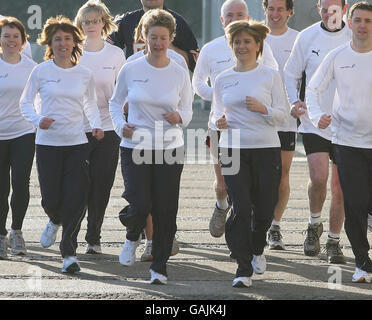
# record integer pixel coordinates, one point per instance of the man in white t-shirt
(281, 39)
(349, 66)
(310, 48)
(215, 57)
(27, 49)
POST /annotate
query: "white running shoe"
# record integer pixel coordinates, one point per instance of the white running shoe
(242, 282)
(370, 222)
(128, 253)
(361, 276)
(70, 265)
(157, 278)
(49, 235)
(259, 264)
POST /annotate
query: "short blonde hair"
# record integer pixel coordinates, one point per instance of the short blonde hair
(109, 25)
(158, 18)
(256, 29)
(50, 28)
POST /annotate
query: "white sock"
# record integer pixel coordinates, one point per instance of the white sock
(333, 236)
(222, 204)
(315, 218)
(275, 223)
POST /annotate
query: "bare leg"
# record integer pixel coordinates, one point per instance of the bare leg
(337, 213)
(284, 188)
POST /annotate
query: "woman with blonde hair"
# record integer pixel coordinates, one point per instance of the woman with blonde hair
(17, 136)
(249, 101)
(159, 95)
(67, 92)
(105, 61)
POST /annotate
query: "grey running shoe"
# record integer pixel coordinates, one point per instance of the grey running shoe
(274, 238)
(17, 243)
(334, 252)
(3, 247)
(370, 222)
(312, 243)
(175, 247)
(93, 249)
(146, 255)
(217, 222)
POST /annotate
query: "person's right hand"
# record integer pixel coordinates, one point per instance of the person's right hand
(128, 131)
(298, 109)
(325, 121)
(45, 123)
(221, 123)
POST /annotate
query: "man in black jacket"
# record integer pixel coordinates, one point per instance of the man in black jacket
(184, 42)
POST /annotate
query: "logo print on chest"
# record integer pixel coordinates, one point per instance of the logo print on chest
(316, 52)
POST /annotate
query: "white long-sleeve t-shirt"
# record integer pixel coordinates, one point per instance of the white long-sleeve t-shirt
(152, 92)
(281, 46)
(352, 116)
(65, 96)
(310, 48)
(13, 78)
(105, 65)
(256, 129)
(215, 57)
(170, 53)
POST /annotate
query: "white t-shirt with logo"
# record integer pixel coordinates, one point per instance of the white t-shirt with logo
(217, 56)
(13, 78)
(152, 92)
(65, 95)
(256, 129)
(310, 48)
(281, 46)
(351, 71)
(105, 66)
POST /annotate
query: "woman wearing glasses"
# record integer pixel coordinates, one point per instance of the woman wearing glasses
(67, 92)
(105, 62)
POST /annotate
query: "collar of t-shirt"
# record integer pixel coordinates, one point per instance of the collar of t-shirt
(337, 30)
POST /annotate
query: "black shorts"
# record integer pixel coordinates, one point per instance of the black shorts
(287, 140)
(212, 140)
(314, 143)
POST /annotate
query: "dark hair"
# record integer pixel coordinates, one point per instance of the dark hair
(363, 5)
(289, 4)
(53, 25)
(343, 3)
(14, 23)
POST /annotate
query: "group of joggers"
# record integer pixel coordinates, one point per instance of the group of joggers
(89, 100)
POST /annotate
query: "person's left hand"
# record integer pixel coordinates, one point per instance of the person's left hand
(254, 105)
(172, 117)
